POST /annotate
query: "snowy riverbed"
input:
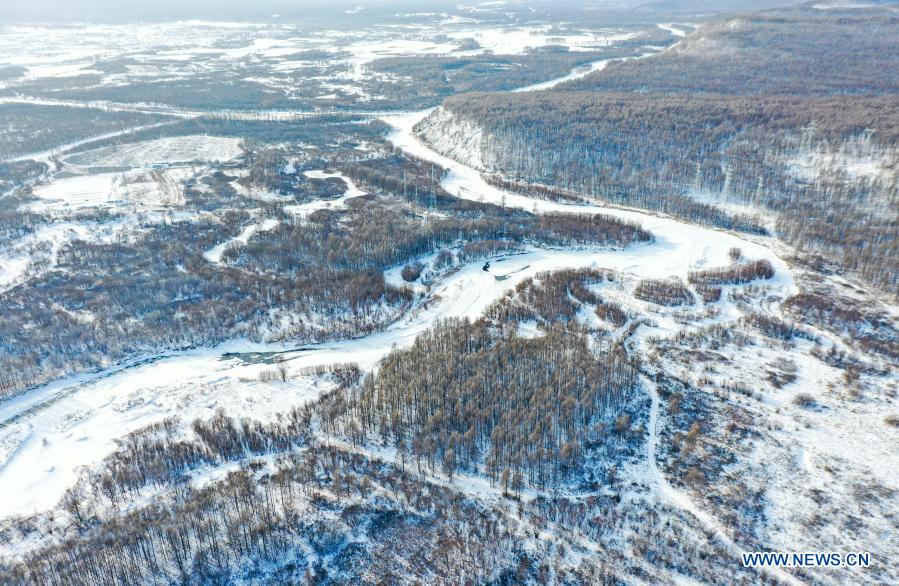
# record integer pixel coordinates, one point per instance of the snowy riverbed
(50, 432)
(75, 422)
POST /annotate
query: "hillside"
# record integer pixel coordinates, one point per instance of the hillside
(784, 115)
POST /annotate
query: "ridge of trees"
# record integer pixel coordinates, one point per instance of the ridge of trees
(706, 123)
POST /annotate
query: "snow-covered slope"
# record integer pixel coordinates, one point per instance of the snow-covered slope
(460, 140)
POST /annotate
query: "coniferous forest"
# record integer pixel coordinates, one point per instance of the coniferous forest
(437, 293)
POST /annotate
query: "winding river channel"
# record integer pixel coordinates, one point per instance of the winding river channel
(48, 433)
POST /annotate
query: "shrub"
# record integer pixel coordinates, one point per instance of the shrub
(709, 293)
(805, 400)
(411, 272)
(734, 274)
(670, 292)
(623, 423)
(444, 259)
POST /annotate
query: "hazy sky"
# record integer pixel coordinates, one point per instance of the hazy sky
(138, 10)
(134, 10)
(304, 10)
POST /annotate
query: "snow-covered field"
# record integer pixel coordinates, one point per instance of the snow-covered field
(674, 30)
(181, 149)
(76, 192)
(160, 187)
(42, 452)
(517, 39)
(180, 49)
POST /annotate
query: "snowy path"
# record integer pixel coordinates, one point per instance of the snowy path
(215, 253)
(303, 210)
(577, 73)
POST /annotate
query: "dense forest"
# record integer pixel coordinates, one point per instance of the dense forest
(330, 263)
(703, 131)
(799, 50)
(329, 508)
(30, 128)
(333, 515)
(464, 397)
(344, 488)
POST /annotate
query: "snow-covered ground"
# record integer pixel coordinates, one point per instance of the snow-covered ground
(42, 426)
(683, 501)
(179, 149)
(215, 253)
(303, 210)
(857, 164)
(79, 423)
(76, 192)
(82, 417)
(178, 50)
(674, 30)
(47, 434)
(516, 40)
(578, 73)
(842, 5)
(160, 187)
(36, 253)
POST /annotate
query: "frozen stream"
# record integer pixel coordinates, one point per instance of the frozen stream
(48, 433)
